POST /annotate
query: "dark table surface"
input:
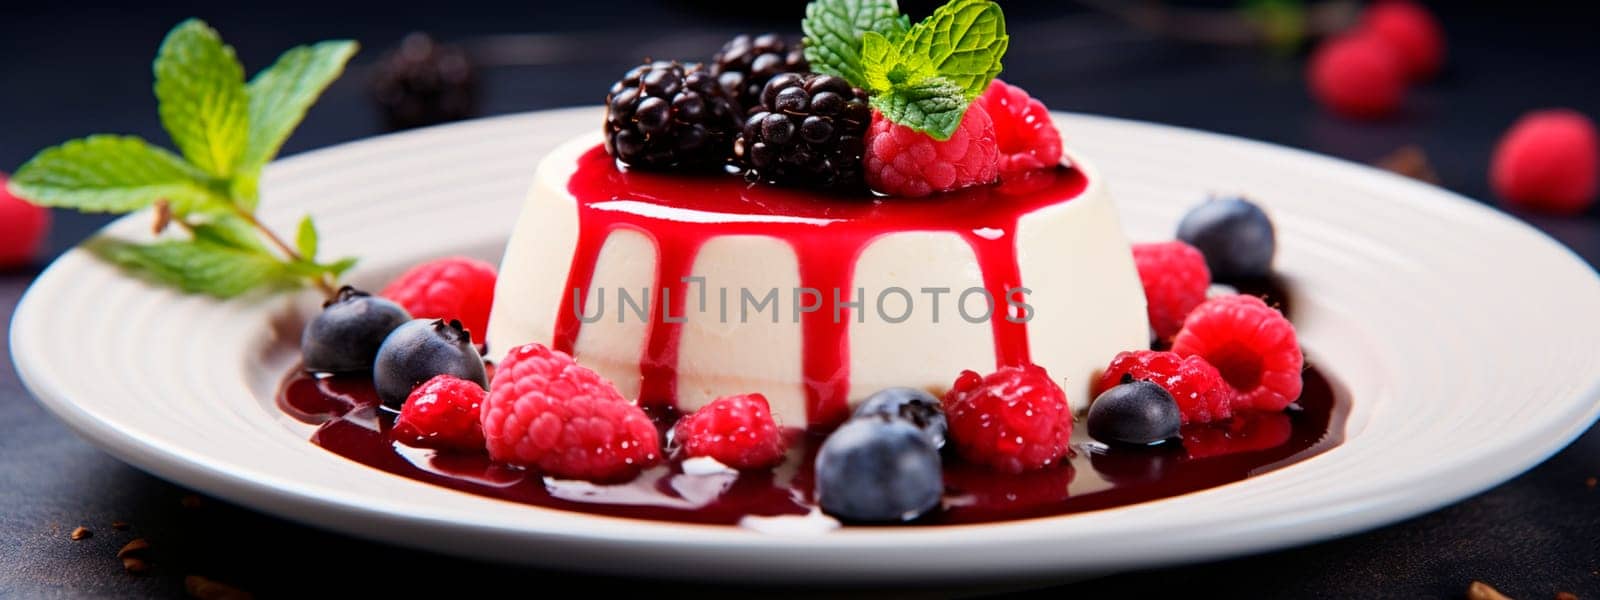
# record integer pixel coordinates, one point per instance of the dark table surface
(84, 69)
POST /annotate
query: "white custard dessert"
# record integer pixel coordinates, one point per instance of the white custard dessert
(681, 289)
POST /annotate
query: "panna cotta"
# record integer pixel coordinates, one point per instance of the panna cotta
(681, 289)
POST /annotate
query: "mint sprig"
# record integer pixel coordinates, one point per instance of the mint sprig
(923, 76)
(834, 28)
(226, 130)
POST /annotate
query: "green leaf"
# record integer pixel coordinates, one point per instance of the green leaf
(281, 94)
(933, 105)
(197, 266)
(201, 96)
(338, 267)
(116, 174)
(230, 231)
(962, 41)
(245, 189)
(305, 240)
(834, 30)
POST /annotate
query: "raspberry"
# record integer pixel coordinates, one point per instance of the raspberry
(1202, 395)
(1251, 344)
(1413, 33)
(902, 161)
(22, 228)
(550, 413)
(1175, 279)
(1547, 161)
(1015, 419)
(1248, 432)
(737, 431)
(456, 288)
(1022, 127)
(1358, 76)
(442, 413)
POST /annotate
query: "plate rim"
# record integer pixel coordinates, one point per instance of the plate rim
(263, 492)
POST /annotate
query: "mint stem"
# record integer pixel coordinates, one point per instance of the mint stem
(323, 282)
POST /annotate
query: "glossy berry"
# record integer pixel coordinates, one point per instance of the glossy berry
(1547, 161)
(1175, 280)
(1015, 419)
(1250, 431)
(424, 83)
(345, 336)
(418, 351)
(23, 227)
(549, 413)
(806, 131)
(1412, 31)
(1235, 235)
(456, 288)
(737, 431)
(912, 405)
(878, 470)
(665, 115)
(745, 64)
(1022, 127)
(1251, 344)
(904, 162)
(1203, 396)
(442, 413)
(1137, 413)
(1359, 76)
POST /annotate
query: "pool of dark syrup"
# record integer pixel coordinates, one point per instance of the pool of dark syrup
(350, 424)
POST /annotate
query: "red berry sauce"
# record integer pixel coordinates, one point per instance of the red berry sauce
(827, 232)
(345, 409)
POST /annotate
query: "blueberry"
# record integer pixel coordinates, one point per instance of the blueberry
(877, 469)
(345, 336)
(1235, 236)
(914, 406)
(1136, 413)
(417, 351)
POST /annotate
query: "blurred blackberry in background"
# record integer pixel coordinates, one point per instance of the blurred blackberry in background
(666, 115)
(806, 131)
(745, 64)
(423, 82)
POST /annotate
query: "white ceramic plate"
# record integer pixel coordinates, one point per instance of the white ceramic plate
(1469, 342)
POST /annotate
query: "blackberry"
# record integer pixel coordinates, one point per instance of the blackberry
(425, 83)
(806, 131)
(665, 115)
(745, 64)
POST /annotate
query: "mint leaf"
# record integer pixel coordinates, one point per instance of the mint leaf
(961, 41)
(338, 267)
(196, 267)
(933, 105)
(116, 174)
(230, 231)
(305, 240)
(834, 30)
(926, 79)
(245, 189)
(201, 96)
(281, 94)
